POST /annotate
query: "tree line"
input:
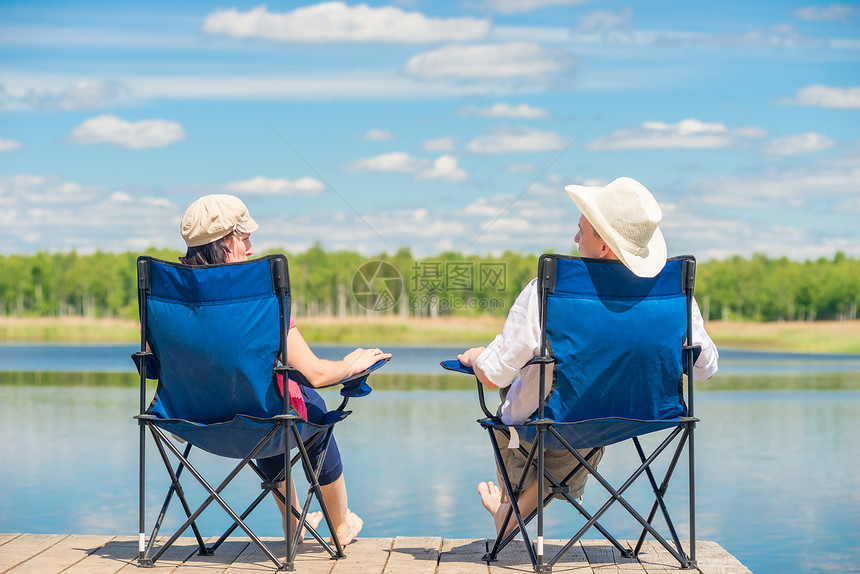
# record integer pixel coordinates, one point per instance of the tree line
(346, 283)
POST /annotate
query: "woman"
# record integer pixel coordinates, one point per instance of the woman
(217, 229)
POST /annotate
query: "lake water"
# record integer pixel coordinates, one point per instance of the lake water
(778, 476)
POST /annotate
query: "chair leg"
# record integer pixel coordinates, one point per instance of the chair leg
(624, 551)
(692, 472)
(317, 492)
(214, 495)
(660, 492)
(176, 487)
(514, 507)
(615, 495)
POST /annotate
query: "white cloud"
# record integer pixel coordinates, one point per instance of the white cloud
(143, 134)
(393, 162)
(121, 197)
(686, 134)
(42, 189)
(516, 6)
(46, 212)
(9, 145)
(445, 168)
(605, 20)
(798, 144)
(81, 95)
(518, 140)
(798, 187)
(276, 186)
(378, 135)
(443, 144)
(506, 110)
(828, 97)
(333, 85)
(486, 61)
(337, 22)
(838, 12)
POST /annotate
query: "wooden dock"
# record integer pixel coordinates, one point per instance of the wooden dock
(56, 553)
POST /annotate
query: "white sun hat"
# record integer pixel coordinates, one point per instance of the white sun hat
(626, 216)
(215, 216)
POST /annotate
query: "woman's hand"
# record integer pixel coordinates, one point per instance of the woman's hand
(361, 359)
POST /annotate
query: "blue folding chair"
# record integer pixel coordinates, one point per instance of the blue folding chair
(215, 339)
(613, 346)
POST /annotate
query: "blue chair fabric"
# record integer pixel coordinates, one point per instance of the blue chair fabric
(614, 350)
(213, 337)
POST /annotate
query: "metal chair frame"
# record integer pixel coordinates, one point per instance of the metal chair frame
(682, 433)
(285, 422)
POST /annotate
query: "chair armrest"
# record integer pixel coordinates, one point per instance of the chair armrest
(458, 367)
(697, 350)
(354, 386)
(153, 367)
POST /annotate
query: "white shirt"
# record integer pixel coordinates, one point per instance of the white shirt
(503, 359)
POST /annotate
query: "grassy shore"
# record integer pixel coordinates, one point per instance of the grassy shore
(818, 337)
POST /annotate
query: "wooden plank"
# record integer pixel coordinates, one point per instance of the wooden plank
(52, 554)
(108, 559)
(216, 563)
(62, 555)
(656, 559)
(4, 538)
(711, 558)
(311, 558)
(574, 560)
(513, 558)
(181, 550)
(365, 556)
(252, 560)
(414, 555)
(24, 548)
(606, 558)
(463, 556)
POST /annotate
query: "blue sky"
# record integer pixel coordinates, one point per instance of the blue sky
(432, 125)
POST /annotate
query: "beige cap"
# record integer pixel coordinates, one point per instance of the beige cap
(626, 216)
(215, 216)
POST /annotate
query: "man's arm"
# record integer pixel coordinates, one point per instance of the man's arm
(468, 358)
(706, 365)
(498, 364)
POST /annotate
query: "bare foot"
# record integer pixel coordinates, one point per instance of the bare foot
(313, 520)
(491, 496)
(347, 532)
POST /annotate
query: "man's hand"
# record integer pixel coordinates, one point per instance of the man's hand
(468, 358)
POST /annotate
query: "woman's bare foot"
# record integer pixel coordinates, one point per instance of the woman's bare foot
(491, 496)
(347, 532)
(313, 520)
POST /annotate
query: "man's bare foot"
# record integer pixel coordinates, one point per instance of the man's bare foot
(347, 532)
(491, 496)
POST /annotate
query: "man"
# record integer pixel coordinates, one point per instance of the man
(620, 222)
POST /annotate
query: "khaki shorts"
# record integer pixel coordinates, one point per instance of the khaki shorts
(558, 463)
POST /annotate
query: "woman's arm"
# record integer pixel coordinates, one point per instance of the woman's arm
(321, 372)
